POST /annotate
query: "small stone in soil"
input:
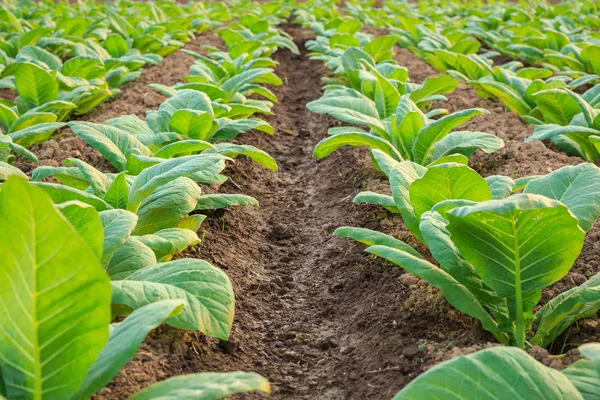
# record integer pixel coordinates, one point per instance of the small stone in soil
(411, 351)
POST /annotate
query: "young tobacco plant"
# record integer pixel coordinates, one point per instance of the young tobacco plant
(385, 83)
(495, 251)
(184, 124)
(162, 195)
(58, 342)
(573, 125)
(141, 273)
(407, 134)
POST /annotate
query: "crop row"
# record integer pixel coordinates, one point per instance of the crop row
(62, 60)
(497, 242)
(81, 246)
(552, 79)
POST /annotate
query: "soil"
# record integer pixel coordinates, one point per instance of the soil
(314, 314)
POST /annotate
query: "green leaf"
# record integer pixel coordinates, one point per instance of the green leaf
(558, 314)
(499, 373)
(55, 298)
(374, 238)
(380, 47)
(117, 192)
(118, 226)
(7, 170)
(352, 110)
(435, 131)
(377, 199)
(113, 143)
(446, 182)
(500, 186)
(86, 221)
(576, 187)
(259, 156)
(125, 339)
(184, 99)
(62, 193)
(466, 143)
(218, 200)
(205, 289)
(168, 242)
(432, 86)
(157, 175)
(513, 100)
(204, 386)
(192, 123)
(165, 207)
(585, 373)
(331, 143)
(185, 147)
(129, 258)
(518, 246)
(557, 106)
(35, 85)
(401, 178)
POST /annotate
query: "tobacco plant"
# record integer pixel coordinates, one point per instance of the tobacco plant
(184, 124)
(495, 251)
(58, 342)
(406, 134)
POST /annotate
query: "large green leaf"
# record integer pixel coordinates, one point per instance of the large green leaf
(113, 143)
(577, 187)
(518, 246)
(167, 205)
(158, 175)
(585, 373)
(331, 143)
(204, 386)
(435, 131)
(432, 86)
(35, 85)
(374, 238)
(125, 339)
(184, 99)
(168, 242)
(558, 314)
(192, 123)
(447, 182)
(499, 373)
(206, 290)
(402, 177)
(557, 106)
(54, 295)
(352, 110)
(117, 225)
(466, 142)
(130, 258)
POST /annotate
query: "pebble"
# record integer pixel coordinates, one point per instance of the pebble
(411, 351)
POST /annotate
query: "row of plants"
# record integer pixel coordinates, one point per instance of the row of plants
(83, 246)
(58, 60)
(553, 82)
(497, 242)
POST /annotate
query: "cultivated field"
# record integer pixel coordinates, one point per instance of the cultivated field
(312, 200)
